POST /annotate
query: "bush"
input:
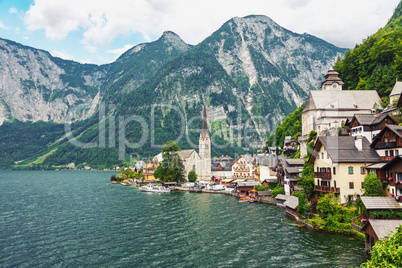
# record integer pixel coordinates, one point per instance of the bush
(261, 188)
(277, 190)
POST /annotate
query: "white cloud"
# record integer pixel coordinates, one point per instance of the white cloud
(119, 51)
(344, 23)
(12, 10)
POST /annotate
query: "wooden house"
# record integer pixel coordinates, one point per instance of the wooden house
(369, 125)
(244, 187)
(291, 206)
(374, 205)
(377, 229)
(340, 165)
(388, 143)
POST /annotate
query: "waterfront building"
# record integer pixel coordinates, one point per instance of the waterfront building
(291, 206)
(222, 167)
(243, 167)
(328, 109)
(288, 172)
(340, 165)
(190, 159)
(374, 205)
(377, 229)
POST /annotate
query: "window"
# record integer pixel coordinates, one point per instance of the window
(327, 155)
(334, 184)
(362, 170)
(318, 169)
(322, 155)
(350, 170)
(396, 152)
(318, 156)
(362, 185)
(351, 185)
(386, 153)
(334, 170)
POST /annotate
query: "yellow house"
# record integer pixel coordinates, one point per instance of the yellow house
(149, 169)
(340, 165)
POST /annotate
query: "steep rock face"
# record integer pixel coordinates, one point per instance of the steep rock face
(36, 86)
(251, 73)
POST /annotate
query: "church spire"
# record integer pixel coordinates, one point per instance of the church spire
(204, 121)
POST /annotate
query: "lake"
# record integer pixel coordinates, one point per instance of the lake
(79, 219)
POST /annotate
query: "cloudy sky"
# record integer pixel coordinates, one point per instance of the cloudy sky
(98, 31)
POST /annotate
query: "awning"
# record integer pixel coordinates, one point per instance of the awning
(227, 180)
(239, 180)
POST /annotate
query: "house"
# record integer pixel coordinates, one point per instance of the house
(266, 167)
(388, 143)
(288, 172)
(377, 229)
(243, 167)
(374, 205)
(149, 169)
(340, 165)
(291, 206)
(263, 194)
(290, 146)
(327, 110)
(369, 125)
(281, 199)
(244, 187)
(221, 167)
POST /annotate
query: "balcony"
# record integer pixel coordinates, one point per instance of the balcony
(326, 189)
(386, 145)
(386, 158)
(323, 175)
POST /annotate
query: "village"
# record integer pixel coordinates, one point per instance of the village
(346, 138)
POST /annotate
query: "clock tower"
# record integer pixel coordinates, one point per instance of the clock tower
(204, 150)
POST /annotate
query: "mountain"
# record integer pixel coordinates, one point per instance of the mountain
(36, 86)
(377, 62)
(250, 73)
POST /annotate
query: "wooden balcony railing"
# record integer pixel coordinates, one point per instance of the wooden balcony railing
(386, 158)
(323, 175)
(326, 189)
(386, 145)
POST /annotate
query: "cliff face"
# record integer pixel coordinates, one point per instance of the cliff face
(36, 86)
(250, 73)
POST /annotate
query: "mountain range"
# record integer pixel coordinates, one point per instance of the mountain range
(250, 74)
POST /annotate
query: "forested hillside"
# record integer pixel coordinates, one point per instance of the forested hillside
(377, 62)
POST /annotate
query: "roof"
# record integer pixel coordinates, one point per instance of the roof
(393, 128)
(248, 183)
(184, 154)
(376, 165)
(264, 193)
(371, 119)
(270, 161)
(394, 161)
(293, 170)
(383, 228)
(292, 202)
(295, 161)
(331, 77)
(397, 90)
(342, 99)
(342, 149)
(224, 164)
(282, 197)
(204, 130)
(380, 202)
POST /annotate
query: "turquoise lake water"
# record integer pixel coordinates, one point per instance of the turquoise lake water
(79, 219)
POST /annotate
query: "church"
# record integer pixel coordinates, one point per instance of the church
(199, 162)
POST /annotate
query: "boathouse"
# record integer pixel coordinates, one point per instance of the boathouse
(376, 229)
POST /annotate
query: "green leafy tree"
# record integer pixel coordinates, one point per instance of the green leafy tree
(306, 181)
(172, 168)
(372, 185)
(327, 205)
(192, 176)
(387, 252)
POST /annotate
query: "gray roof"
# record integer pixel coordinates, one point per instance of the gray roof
(292, 202)
(248, 183)
(377, 165)
(225, 165)
(342, 99)
(342, 149)
(383, 228)
(293, 170)
(184, 154)
(270, 161)
(370, 119)
(264, 193)
(282, 197)
(296, 161)
(397, 90)
(380, 202)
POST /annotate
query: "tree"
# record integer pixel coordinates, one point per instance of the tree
(387, 252)
(307, 180)
(192, 176)
(372, 185)
(172, 168)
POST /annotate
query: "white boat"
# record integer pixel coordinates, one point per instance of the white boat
(154, 189)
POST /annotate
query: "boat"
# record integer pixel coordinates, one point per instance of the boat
(195, 189)
(127, 183)
(154, 189)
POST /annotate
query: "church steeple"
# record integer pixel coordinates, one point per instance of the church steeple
(204, 121)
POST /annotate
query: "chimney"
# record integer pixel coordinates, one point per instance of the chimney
(359, 142)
